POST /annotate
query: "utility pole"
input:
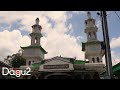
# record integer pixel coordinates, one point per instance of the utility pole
(109, 71)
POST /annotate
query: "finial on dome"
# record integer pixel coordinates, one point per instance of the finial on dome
(37, 21)
(89, 15)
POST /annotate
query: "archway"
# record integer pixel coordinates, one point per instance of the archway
(97, 59)
(93, 60)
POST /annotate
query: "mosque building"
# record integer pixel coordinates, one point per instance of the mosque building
(65, 67)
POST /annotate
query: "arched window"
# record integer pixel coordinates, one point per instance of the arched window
(89, 34)
(93, 60)
(36, 39)
(97, 59)
(94, 35)
(29, 62)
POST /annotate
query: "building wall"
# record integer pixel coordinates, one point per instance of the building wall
(93, 48)
(93, 51)
(33, 52)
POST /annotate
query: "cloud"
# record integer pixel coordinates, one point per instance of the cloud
(55, 42)
(98, 24)
(79, 12)
(62, 44)
(115, 42)
(11, 42)
(115, 58)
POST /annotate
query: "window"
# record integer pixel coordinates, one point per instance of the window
(89, 35)
(93, 59)
(29, 62)
(97, 59)
(94, 35)
(35, 39)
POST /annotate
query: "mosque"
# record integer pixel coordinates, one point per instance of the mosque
(60, 67)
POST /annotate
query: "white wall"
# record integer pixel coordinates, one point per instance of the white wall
(33, 52)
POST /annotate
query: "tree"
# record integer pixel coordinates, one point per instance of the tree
(18, 61)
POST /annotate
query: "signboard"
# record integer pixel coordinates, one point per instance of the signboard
(60, 66)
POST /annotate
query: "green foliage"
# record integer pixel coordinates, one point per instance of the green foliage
(18, 61)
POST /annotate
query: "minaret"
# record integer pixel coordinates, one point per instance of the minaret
(93, 47)
(34, 52)
(36, 33)
(91, 28)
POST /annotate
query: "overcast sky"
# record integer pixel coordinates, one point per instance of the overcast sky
(63, 32)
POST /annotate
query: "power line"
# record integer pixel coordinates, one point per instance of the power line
(117, 15)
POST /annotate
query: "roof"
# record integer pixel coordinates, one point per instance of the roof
(79, 62)
(42, 62)
(115, 68)
(65, 59)
(2, 64)
(35, 47)
(36, 64)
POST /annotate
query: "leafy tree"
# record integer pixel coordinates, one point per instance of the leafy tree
(18, 61)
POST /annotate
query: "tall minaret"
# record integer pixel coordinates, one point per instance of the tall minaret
(36, 33)
(34, 52)
(93, 47)
(91, 28)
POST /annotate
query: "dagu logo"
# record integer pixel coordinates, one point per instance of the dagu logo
(15, 72)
